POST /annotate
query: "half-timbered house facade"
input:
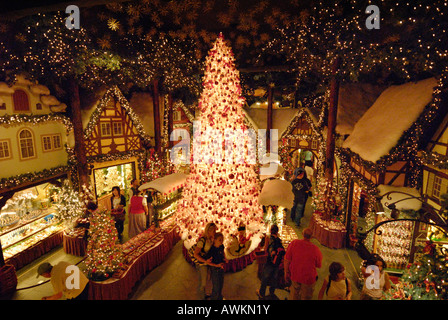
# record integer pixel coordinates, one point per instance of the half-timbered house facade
(115, 142)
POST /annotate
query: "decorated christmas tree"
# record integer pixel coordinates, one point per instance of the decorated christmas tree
(223, 185)
(426, 279)
(104, 254)
(69, 204)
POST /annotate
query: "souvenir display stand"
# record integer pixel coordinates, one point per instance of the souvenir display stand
(142, 253)
(74, 241)
(329, 233)
(29, 237)
(168, 192)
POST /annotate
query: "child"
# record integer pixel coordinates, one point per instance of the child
(243, 240)
(336, 286)
(216, 259)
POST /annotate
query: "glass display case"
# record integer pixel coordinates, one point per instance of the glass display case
(18, 236)
(394, 243)
(27, 218)
(166, 205)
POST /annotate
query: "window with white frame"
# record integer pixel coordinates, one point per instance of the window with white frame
(105, 129)
(51, 142)
(57, 141)
(5, 150)
(26, 144)
(117, 128)
(437, 186)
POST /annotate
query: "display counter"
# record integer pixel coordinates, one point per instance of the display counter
(142, 253)
(329, 233)
(393, 242)
(27, 238)
(74, 242)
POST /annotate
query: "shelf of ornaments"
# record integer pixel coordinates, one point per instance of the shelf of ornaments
(26, 233)
(168, 207)
(277, 215)
(394, 245)
(145, 240)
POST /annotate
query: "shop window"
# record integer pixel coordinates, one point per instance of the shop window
(5, 150)
(20, 99)
(26, 144)
(105, 129)
(117, 128)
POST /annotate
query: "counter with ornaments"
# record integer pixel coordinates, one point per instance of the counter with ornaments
(142, 254)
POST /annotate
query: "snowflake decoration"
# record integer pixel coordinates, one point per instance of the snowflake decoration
(113, 24)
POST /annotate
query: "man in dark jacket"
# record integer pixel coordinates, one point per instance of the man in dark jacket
(301, 186)
(275, 253)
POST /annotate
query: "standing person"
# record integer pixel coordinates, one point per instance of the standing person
(383, 283)
(301, 260)
(275, 251)
(216, 265)
(133, 190)
(309, 170)
(138, 211)
(118, 203)
(84, 220)
(58, 275)
(336, 286)
(202, 247)
(301, 186)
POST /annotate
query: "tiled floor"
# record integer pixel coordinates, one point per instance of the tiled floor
(176, 279)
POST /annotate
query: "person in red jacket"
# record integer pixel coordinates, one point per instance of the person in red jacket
(138, 212)
(301, 261)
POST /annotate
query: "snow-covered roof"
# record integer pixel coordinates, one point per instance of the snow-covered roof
(166, 184)
(408, 204)
(353, 101)
(281, 118)
(383, 124)
(279, 170)
(276, 192)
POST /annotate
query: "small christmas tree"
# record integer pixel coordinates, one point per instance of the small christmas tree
(69, 204)
(104, 254)
(426, 279)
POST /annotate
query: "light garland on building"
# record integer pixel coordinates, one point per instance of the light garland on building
(112, 93)
(20, 119)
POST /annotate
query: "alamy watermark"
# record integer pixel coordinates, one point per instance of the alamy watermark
(72, 281)
(373, 20)
(373, 280)
(73, 20)
(212, 146)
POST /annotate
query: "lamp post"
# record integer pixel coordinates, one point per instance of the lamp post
(427, 216)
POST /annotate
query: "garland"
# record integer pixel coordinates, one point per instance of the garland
(434, 159)
(139, 154)
(32, 176)
(20, 119)
(95, 117)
